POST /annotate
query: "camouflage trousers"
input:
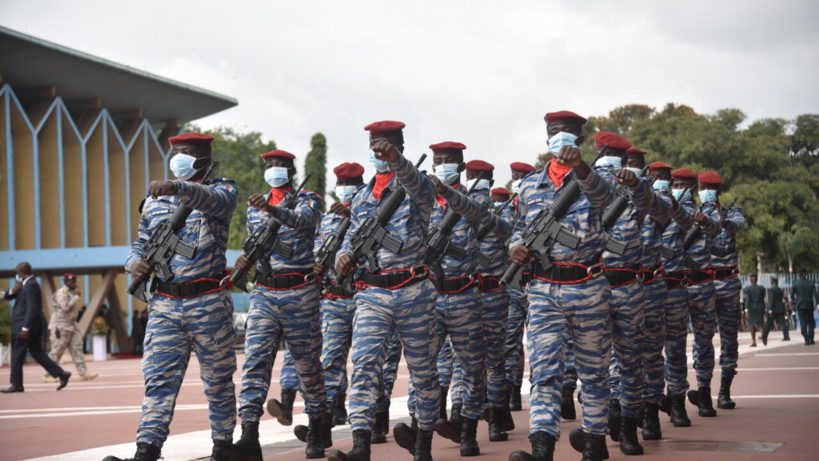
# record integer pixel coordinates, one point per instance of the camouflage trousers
(204, 325)
(337, 334)
(656, 293)
(446, 365)
(556, 312)
(704, 320)
(676, 337)
(569, 370)
(513, 350)
(495, 321)
(410, 311)
(67, 337)
(628, 330)
(389, 372)
(729, 316)
(294, 315)
(288, 379)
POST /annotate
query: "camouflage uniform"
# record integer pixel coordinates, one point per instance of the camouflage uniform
(408, 309)
(289, 311)
(288, 379)
(65, 332)
(518, 307)
(560, 310)
(203, 323)
(724, 258)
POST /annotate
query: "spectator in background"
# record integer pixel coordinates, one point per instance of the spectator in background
(804, 300)
(754, 296)
(776, 311)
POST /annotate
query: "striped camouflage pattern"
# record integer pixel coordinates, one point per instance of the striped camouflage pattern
(729, 310)
(513, 347)
(288, 379)
(446, 369)
(627, 229)
(557, 311)
(409, 310)
(206, 228)
(336, 334)
(203, 324)
(390, 372)
(656, 294)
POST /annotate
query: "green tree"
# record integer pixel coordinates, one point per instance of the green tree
(316, 164)
(793, 243)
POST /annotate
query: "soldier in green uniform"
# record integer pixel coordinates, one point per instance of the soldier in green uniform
(776, 311)
(805, 299)
(754, 296)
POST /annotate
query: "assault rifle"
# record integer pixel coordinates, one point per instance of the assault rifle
(439, 242)
(719, 252)
(326, 255)
(613, 213)
(265, 240)
(689, 239)
(544, 230)
(483, 260)
(665, 251)
(163, 244)
(372, 234)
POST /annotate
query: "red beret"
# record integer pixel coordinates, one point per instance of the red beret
(190, 138)
(522, 167)
(384, 128)
(500, 192)
(279, 154)
(633, 151)
(683, 173)
(657, 166)
(69, 276)
(614, 141)
(564, 116)
(478, 165)
(447, 147)
(348, 170)
(710, 178)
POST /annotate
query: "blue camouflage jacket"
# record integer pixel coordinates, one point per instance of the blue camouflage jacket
(726, 241)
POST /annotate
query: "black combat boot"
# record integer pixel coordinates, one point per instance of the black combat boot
(221, 450)
(144, 452)
(360, 451)
(423, 446)
(496, 432)
(300, 431)
(724, 399)
(283, 411)
(651, 422)
(506, 420)
(405, 436)
(679, 417)
(595, 447)
(628, 437)
(339, 409)
(451, 429)
(248, 447)
(702, 399)
(615, 414)
(315, 446)
(442, 412)
(543, 448)
(515, 403)
(382, 422)
(567, 411)
(469, 442)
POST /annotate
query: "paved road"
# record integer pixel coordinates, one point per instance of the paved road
(777, 395)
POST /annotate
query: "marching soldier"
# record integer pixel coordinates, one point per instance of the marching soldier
(65, 332)
(776, 312)
(754, 296)
(805, 298)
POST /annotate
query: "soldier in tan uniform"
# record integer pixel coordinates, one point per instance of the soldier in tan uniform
(64, 330)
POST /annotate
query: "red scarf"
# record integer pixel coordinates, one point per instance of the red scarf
(381, 181)
(440, 198)
(277, 194)
(557, 172)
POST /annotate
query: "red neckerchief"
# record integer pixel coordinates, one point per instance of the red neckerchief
(381, 181)
(557, 172)
(277, 194)
(440, 198)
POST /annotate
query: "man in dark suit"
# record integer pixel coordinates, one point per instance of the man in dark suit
(27, 327)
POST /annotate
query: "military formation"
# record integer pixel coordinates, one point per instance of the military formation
(602, 264)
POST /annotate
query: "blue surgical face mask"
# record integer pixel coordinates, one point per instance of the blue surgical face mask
(662, 184)
(610, 161)
(499, 204)
(381, 166)
(637, 171)
(448, 173)
(678, 194)
(345, 194)
(276, 176)
(516, 186)
(182, 166)
(561, 139)
(482, 184)
(708, 195)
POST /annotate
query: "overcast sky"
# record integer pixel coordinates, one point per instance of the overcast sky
(479, 72)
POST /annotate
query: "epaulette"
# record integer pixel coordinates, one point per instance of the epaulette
(222, 181)
(309, 193)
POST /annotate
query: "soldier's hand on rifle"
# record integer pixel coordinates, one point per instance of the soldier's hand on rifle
(140, 270)
(626, 177)
(242, 264)
(439, 186)
(519, 255)
(318, 269)
(699, 217)
(385, 151)
(259, 202)
(345, 264)
(160, 188)
(340, 209)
